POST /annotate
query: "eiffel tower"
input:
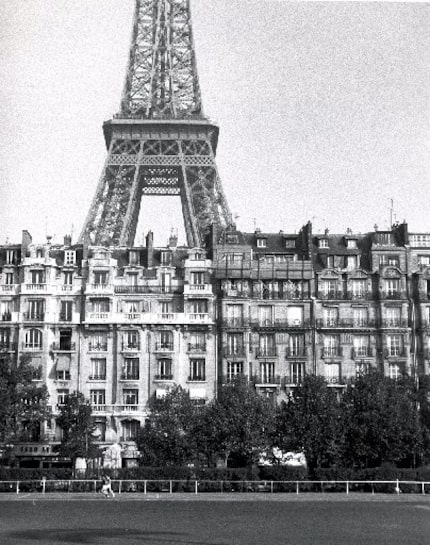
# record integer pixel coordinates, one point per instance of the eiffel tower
(160, 142)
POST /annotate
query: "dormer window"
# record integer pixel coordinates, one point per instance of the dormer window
(261, 243)
(69, 257)
(39, 253)
(232, 239)
(351, 243)
(290, 243)
(165, 258)
(323, 243)
(133, 257)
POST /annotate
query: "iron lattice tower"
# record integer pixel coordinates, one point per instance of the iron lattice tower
(160, 143)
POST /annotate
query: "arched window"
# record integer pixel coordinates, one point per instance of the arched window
(33, 338)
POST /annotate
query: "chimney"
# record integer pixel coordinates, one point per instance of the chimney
(67, 240)
(26, 241)
(150, 248)
(173, 241)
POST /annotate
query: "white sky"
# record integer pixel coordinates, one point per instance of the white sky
(323, 109)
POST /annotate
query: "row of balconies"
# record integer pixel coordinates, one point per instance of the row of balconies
(325, 352)
(320, 322)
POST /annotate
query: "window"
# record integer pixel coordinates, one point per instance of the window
(10, 257)
(6, 311)
(66, 312)
(165, 258)
(419, 240)
(100, 278)
(393, 315)
(99, 342)
(4, 338)
(130, 430)
(63, 375)
(360, 316)
(296, 345)
(261, 242)
(332, 372)
(295, 316)
(297, 372)
(392, 287)
(197, 341)
(361, 346)
(198, 278)
(361, 368)
(330, 261)
(131, 369)
(62, 395)
(351, 243)
(37, 277)
(394, 371)
(290, 243)
(427, 316)
(97, 397)
(359, 289)
(323, 243)
(265, 315)
(267, 372)
(68, 278)
(234, 314)
(424, 260)
(132, 279)
(232, 239)
(33, 338)
(394, 345)
(69, 257)
(8, 278)
(166, 340)
(329, 288)
(351, 262)
(130, 397)
(331, 345)
(164, 369)
(36, 309)
(331, 316)
(98, 369)
(133, 257)
(267, 345)
(197, 369)
(165, 309)
(65, 339)
(234, 369)
(101, 306)
(235, 345)
(131, 340)
(199, 306)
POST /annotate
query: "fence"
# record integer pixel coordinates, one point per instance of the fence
(206, 486)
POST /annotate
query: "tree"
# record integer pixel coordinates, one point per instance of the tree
(307, 422)
(168, 437)
(380, 422)
(236, 425)
(23, 400)
(78, 428)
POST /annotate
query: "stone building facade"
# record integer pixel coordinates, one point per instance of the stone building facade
(122, 324)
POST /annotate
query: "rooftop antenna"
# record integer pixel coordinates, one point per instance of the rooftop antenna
(391, 212)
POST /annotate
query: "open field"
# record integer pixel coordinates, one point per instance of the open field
(221, 520)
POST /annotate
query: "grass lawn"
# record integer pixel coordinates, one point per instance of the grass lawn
(266, 520)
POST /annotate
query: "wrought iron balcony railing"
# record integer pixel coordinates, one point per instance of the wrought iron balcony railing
(63, 347)
(164, 347)
(363, 352)
(34, 316)
(266, 352)
(298, 352)
(196, 348)
(331, 352)
(164, 376)
(236, 351)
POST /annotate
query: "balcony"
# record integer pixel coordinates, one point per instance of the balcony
(299, 352)
(201, 317)
(262, 323)
(163, 377)
(64, 317)
(130, 347)
(6, 317)
(267, 380)
(394, 322)
(234, 352)
(395, 353)
(99, 288)
(266, 352)
(164, 347)
(196, 378)
(132, 289)
(32, 347)
(362, 352)
(9, 289)
(393, 295)
(63, 347)
(132, 316)
(360, 296)
(130, 376)
(118, 409)
(97, 347)
(331, 352)
(97, 377)
(235, 322)
(34, 316)
(327, 295)
(196, 348)
(36, 288)
(100, 316)
(198, 289)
